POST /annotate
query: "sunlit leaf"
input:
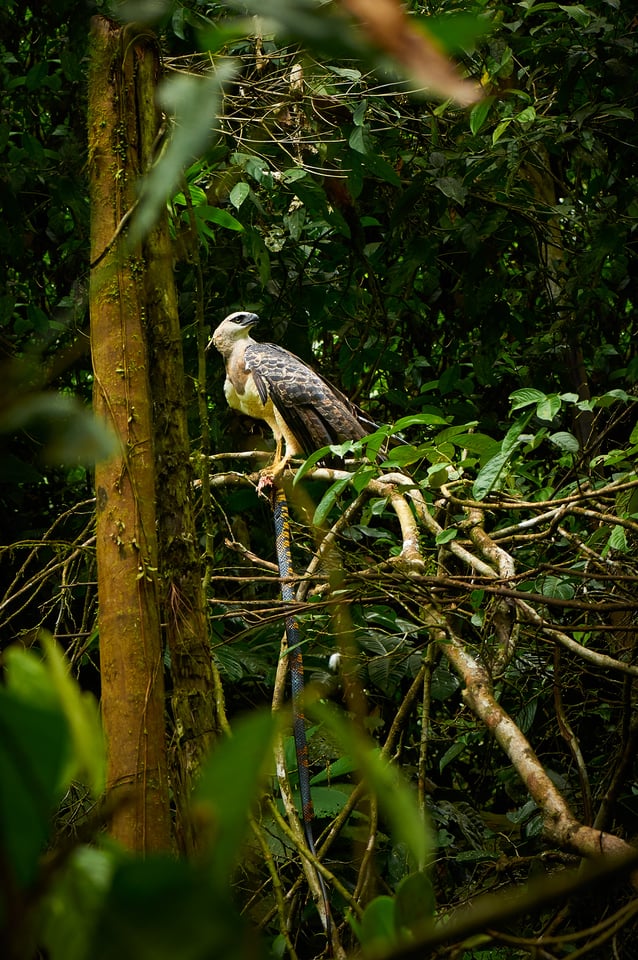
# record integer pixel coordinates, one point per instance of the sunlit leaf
(445, 536)
(548, 407)
(500, 129)
(565, 441)
(216, 215)
(618, 539)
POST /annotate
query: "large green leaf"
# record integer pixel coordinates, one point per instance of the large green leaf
(415, 902)
(73, 905)
(47, 683)
(377, 930)
(161, 908)
(34, 746)
(82, 714)
(230, 785)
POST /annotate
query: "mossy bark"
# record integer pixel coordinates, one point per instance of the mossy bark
(193, 713)
(123, 69)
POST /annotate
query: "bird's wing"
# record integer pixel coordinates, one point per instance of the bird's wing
(316, 412)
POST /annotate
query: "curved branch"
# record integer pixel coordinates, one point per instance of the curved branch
(559, 822)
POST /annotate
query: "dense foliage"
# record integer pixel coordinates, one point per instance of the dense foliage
(469, 277)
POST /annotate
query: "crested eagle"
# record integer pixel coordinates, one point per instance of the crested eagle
(269, 383)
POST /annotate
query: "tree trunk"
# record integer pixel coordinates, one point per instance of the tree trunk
(122, 76)
(194, 720)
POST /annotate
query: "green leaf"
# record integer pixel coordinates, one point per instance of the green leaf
(500, 130)
(478, 443)
(415, 902)
(294, 174)
(479, 114)
(611, 397)
(577, 12)
(34, 747)
(548, 407)
(451, 754)
(556, 587)
(309, 463)
(526, 116)
(359, 114)
(488, 476)
(68, 430)
(326, 503)
(163, 908)
(618, 539)
(378, 929)
(457, 32)
(565, 441)
(334, 770)
(445, 536)
(453, 188)
(444, 683)
(380, 167)
(427, 419)
(212, 214)
(525, 398)
(327, 801)
(360, 140)
(238, 194)
(82, 714)
(229, 785)
(73, 904)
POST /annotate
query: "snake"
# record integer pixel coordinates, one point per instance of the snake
(281, 519)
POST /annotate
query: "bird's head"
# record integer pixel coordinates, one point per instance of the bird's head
(236, 326)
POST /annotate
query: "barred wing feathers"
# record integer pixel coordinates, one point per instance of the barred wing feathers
(316, 412)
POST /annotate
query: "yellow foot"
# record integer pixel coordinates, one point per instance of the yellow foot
(269, 476)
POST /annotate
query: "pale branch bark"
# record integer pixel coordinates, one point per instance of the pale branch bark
(488, 562)
(477, 566)
(559, 823)
(504, 620)
(500, 502)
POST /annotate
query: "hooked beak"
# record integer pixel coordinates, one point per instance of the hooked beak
(247, 320)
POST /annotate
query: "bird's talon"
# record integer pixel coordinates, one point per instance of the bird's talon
(266, 481)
